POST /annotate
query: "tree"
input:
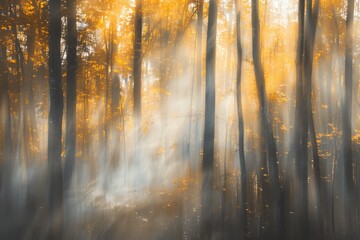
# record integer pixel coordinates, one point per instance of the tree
(137, 61)
(5, 101)
(31, 131)
(209, 131)
(242, 213)
(199, 78)
(266, 131)
(109, 65)
(312, 13)
(347, 115)
(55, 120)
(299, 128)
(71, 58)
(304, 117)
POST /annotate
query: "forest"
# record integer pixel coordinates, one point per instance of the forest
(180, 119)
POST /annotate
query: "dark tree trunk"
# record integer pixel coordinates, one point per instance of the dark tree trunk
(30, 86)
(304, 121)
(106, 102)
(22, 133)
(115, 88)
(209, 131)
(163, 81)
(5, 102)
(55, 121)
(266, 131)
(199, 33)
(71, 69)
(307, 116)
(299, 128)
(108, 94)
(242, 213)
(312, 19)
(137, 62)
(347, 116)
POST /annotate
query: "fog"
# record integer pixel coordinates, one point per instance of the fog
(144, 181)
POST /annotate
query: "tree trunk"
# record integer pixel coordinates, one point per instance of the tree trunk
(299, 125)
(22, 133)
(115, 88)
(266, 131)
(108, 80)
(347, 116)
(71, 69)
(55, 121)
(30, 87)
(242, 213)
(137, 62)
(206, 227)
(5, 104)
(307, 116)
(199, 33)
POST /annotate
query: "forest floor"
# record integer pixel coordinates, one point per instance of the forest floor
(170, 213)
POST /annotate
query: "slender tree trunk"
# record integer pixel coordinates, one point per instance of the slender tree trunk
(7, 163)
(106, 106)
(30, 87)
(115, 91)
(199, 33)
(299, 125)
(5, 104)
(22, 133)
(55, 121)
(347, 116)
(225, 213)
(313, 14)
(163, 81)
(70, 149)
(70, 141)
(199, 27)
(243, 173)
(266, 131)
(115, 88)
(137, 62)
(209, 131)
(109, 96)
(299, 143)
(307, 115)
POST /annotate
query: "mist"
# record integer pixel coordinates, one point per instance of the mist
(107, 130)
